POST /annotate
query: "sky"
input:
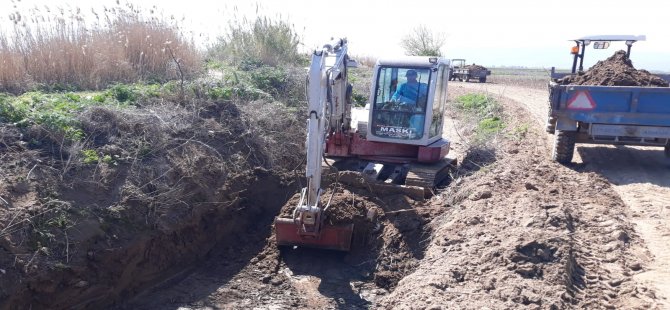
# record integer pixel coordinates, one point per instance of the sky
(527, 33)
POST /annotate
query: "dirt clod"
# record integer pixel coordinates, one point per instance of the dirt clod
(483, 194)
(530, 186)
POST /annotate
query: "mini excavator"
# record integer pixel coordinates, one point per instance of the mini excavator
(399, 143)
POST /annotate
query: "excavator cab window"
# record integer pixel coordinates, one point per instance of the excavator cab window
(400, 102)
(440, 102)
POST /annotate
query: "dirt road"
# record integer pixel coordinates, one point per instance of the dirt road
(638, 174)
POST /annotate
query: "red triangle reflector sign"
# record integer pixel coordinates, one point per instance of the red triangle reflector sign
(581, 100)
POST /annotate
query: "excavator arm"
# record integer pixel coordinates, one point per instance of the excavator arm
(328, 112)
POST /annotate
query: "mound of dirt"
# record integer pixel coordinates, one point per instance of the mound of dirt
(388, 242)
(390, 233)
(616, 70)
(386, 230)
(344, 207)
(527, 233)
(474, 67)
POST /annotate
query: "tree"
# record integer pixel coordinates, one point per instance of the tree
(422, 42)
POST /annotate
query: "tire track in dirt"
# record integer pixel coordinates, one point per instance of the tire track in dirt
(640, 178)
(639, 175)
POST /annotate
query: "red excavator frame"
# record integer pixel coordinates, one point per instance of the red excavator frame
(290, 231)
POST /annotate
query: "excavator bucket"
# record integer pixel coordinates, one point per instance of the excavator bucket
(329, 237)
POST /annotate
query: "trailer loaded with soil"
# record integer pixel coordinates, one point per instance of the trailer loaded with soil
(458, 70)
(611, 103)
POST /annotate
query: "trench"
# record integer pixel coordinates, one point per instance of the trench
(224, 256)
(230, 234)
(252, 271)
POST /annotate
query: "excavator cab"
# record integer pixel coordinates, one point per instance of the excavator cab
(408, 100)
(400, 105)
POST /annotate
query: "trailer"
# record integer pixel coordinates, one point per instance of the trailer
(618, 115)
(462, 72)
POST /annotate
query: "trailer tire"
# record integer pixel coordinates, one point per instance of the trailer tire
(467, 78)
(667, 150)
(482, 79)
(564, 146)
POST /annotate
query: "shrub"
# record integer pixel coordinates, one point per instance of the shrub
(11, 112)
(252, 44)
(270, 80)
(359, 100)
(89, 156)
(122, 93)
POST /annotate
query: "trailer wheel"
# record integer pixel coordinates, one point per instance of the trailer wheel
(482, 79)
(467, 78)
(667, 150)
(564, 146)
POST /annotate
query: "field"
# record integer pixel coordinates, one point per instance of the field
(156, 186)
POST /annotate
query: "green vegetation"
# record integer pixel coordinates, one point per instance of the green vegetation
(485, 110)
(265, 82)
(480, 104)
(58, 112)
(359, 100)
(258, 43)
(490, 125)
(520, 131)
(90, 156)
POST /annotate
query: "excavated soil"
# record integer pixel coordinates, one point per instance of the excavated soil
(389, 240)
(511, 231)
(344, 208)
(638, 175)
(474, 67)
(547, 238)
(388, 229)
(616, 70)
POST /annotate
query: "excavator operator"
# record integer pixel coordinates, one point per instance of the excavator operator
(413, 93)
(410, 91)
